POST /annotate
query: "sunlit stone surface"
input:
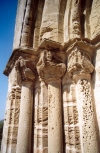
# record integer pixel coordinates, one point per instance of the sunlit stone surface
(53, 100)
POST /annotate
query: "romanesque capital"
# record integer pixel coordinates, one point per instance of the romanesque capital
(79, 63)
(25, 70)
(49, 68)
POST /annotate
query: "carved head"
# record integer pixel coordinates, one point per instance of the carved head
(48, 55)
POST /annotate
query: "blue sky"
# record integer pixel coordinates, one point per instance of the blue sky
(7, 23)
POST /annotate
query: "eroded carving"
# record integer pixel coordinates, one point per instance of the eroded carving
(49, 67)
(76, 19)
(24, 70)
(72, 138)
(79, 62)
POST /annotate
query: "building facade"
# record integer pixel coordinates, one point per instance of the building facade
(53, 100)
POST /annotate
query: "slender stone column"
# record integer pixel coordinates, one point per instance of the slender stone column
(24, 119)
(51, 72)
(55, 142)
(86, 114)
(26, 77)
(80, 67)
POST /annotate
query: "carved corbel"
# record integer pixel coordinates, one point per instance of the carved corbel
(25, 70)
(48, 67)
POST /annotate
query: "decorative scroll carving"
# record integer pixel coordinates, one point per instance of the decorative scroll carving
(48, 66)
(24, 70)
(79, 62)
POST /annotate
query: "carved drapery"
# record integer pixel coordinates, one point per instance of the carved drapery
(80, 68)
(51, 71)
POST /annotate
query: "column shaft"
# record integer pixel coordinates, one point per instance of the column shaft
(24, 119)
(54, 118)
(86, 116)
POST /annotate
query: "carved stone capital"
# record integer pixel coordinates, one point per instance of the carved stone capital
(25, 70)
(79, 63)
(49, 68)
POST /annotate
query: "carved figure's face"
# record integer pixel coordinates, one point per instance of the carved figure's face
(49, 56)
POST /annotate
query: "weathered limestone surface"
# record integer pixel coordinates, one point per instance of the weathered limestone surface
(11, 115)
(19, 22)
(38, 24)
(96, 84)
(24, 119)
(41, 119)
(95, 19)
(52, 19)
(81, 68)
(71, 118)
(53, 102)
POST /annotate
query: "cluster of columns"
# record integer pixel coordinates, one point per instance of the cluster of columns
(55, 132)
(50, 71)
